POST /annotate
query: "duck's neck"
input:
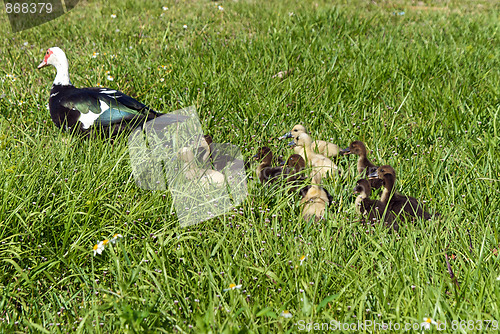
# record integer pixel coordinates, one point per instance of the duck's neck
(266, 162)
(308, 152)
(388, 186)
(62, 76)
(361, 163)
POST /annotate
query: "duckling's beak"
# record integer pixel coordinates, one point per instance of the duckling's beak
(282, 163)
(373, 174)
(292, 143)
(345, 151)
(356, 190)
(286, 135)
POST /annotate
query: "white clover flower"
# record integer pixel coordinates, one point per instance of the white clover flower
(221, 8)
(303, 258)
(113, 16)
(185, 26)
(165, 8)
(95, 54)
(115, 238)
(427, 323)
(286, 314)
(110, 78)
(233, 286)
(98, 248)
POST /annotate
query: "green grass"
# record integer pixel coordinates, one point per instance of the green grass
(422, 90)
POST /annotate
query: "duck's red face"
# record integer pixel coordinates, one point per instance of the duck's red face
(45, 61)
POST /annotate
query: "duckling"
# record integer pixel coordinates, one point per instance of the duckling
(397, 203)
(217, 154)
(294, 165)
(320, 163)
(358, 147)
(320, 146)
(192, 172)
(371, 209)
(265, 172)
(315, 199)
(364, 165)
(203, 153)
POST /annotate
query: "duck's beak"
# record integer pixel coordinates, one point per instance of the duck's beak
(345, 151)
(373, 174)
(42, 64)
(286, 135)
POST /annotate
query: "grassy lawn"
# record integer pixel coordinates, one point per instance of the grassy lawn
(418, 82)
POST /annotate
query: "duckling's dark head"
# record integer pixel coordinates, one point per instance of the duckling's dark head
(382, 171)
(208, 139)
(386, 169)
(264, 153)
(296, 161)
(357, 147)
(362, 186)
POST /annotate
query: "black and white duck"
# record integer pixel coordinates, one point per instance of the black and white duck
(89, 108)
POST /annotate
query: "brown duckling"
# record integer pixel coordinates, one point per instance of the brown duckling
(320, 163)
(315, 200)
(372, 210)
(320, 146)
(265, 172)
(218, 154)
(397, 203)
(203, 153)
(294, 165)
(364, 165)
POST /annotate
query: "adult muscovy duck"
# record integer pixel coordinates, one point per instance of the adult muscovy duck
(95, 107)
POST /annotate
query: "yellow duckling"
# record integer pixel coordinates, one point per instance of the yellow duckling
(320, 146)
(320, 163)
(192, 172)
